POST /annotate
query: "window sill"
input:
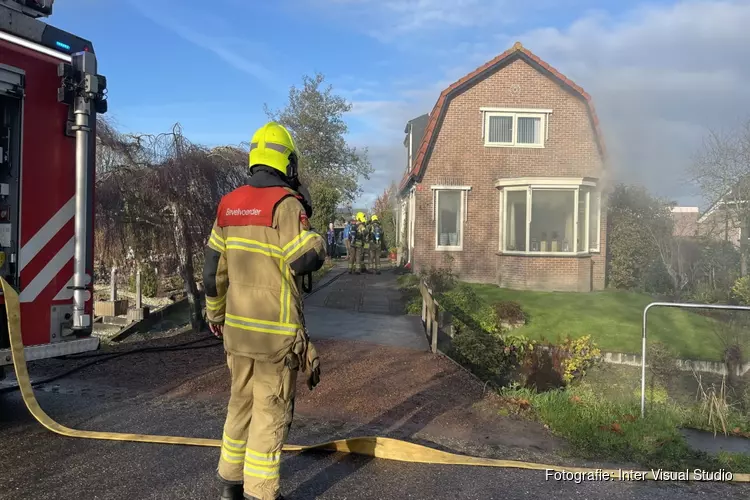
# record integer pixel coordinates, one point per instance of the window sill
(544, 254)
(517, 146)
(449, 249)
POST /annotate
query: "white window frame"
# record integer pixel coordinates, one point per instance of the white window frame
(529, 185)
(505, 219)
(597, 248)
(515, 114)
(436, 190)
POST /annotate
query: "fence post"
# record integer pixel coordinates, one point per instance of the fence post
(113, 284)
(138, 296)
(435, 326)
(424, 302)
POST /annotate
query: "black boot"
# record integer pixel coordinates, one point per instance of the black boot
(232, 492)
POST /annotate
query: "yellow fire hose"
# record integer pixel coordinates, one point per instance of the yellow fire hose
(379, 447)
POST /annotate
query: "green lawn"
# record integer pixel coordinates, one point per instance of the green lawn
(612, 318)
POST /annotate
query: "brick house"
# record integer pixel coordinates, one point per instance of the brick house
(723, 219)
(685, 221)
(507, 180)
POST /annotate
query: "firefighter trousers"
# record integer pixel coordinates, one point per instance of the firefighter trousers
(356, 257)
(375, 258)
(259, 415)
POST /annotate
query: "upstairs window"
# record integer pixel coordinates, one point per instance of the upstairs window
(514, 128)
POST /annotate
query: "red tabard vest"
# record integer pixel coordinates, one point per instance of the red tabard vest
(251, 206)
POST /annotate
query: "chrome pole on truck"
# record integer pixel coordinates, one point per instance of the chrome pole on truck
(84, 90)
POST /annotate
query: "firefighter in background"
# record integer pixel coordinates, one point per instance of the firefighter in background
(366, 245)
(262, 244)
(357, 237)
(376, 243)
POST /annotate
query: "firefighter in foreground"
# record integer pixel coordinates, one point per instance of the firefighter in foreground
(376, 243)
(261, 244)
(358, 235)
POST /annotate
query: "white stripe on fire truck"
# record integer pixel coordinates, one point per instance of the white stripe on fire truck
(46, 275)
(34, 46)
(46, 233)
(66, 293)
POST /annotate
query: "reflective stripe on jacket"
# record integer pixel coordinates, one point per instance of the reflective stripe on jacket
(260, 242)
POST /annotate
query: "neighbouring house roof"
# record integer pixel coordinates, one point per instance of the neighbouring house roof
(734, 194)
(342, 212)
(439, 110)
(684, 209)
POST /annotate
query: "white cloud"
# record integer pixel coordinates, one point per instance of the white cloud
(403, 21)
(659, 76)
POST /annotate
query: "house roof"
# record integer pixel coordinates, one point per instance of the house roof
(676, 210)
(439, 110)
(422, 118)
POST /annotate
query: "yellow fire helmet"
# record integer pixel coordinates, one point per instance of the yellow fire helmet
(272, 145)
(374, 218)
(361, 217)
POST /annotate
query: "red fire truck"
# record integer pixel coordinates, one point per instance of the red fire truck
(50, 93)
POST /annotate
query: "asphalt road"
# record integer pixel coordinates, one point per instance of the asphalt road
(152, 393)
(184, 393)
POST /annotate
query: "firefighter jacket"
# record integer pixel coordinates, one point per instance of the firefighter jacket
(260, 244)
(360, 234)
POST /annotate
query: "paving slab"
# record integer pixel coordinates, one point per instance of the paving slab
(382, 329)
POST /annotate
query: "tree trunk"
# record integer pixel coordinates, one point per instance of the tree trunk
(183, 246)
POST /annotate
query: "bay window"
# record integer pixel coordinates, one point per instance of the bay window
(549, 216)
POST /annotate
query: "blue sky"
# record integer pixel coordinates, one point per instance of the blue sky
(661, 70)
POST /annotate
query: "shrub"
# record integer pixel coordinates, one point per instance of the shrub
(576, 357)
(149, 282)
(662, 363)
(510, 311)
(469, 310)
(741, 290)
(414, 305)
(656, 393)
(705, 294)
(657, 280)
(439, 279)
(488, 356)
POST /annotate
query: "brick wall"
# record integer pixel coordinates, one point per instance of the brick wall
(563, 274)
(459, 157)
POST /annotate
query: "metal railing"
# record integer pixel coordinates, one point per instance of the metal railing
(643, 346)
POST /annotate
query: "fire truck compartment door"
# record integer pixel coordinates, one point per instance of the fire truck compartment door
(11, 80)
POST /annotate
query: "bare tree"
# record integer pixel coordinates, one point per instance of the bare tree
(661, 230)
(722, 172)
(158, 196)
